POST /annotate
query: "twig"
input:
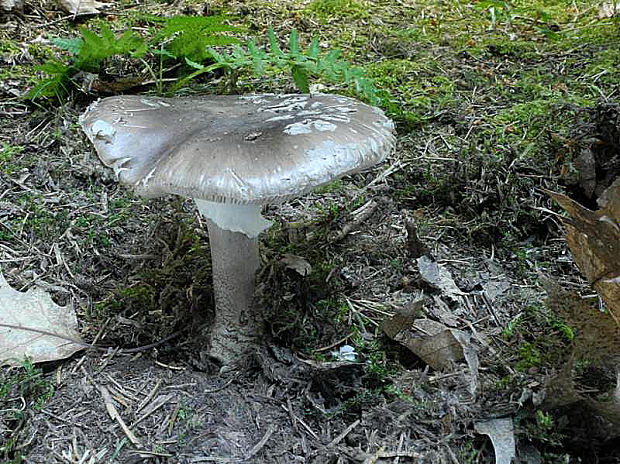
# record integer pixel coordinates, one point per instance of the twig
(158, 403)
(289, 409)
(258, 446)
(346, 431)
(360, 216)
(217, 389)
(89, 346)
(114, 415)
(149, 397)
(333, 345)
(373, 459)
(304, 425)
(401, 440)
(173, 417)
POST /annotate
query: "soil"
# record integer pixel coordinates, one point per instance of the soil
(137, 272)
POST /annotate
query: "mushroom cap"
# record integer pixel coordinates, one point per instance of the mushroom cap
(236, 149)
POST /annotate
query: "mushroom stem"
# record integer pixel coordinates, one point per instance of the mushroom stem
(234, 261)
(233, 236)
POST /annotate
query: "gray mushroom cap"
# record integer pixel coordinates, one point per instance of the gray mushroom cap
(236, 149)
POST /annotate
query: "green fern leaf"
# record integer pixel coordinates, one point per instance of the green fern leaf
(258, 58)
(300, 77)
(193, 64)
(314, 49)
(191, 36)
(72, 45)
(273, 43)
(55, 85)
(106, 34)
(217, 56)
(293, 43)
(96, 48)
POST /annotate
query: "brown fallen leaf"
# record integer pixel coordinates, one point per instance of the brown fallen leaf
(594, 240)
(597, 337)
(434, 343)
(437, 276)
(33, 326)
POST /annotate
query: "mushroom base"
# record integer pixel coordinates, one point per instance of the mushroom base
(235, 261)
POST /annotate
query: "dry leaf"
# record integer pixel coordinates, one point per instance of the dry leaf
(7, 6)
(297, 264)
(403, 320)
(594, 240)
(501, 432)
(437, 276)
(82, 7)
(33, 326)
(597, 337)
(608, 10)
(434, 343)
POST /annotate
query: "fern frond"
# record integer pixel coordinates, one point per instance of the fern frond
(273, 43)
(55, 84)
(293, 43)
(191, 36)
(71, 45)
(96, 48)
(300, 77)
(314, 49)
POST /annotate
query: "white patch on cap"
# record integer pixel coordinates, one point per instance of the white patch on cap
(298, 128)
(148, 176)
(308, 113)
(336, 117)
(323, 126)
(154, 103)
(103, 131)
(345, 109)
(305, 127)
(287, 105)
(284, 117)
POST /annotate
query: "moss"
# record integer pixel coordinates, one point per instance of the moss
(514, 49)
(9, 49)
(332, 9)
(8, 153)
(418, 85)
(529, 356)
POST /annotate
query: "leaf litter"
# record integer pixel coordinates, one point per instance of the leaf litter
(284, 406)
(33, 327)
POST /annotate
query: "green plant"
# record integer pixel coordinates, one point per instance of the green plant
(88, 52)
(299, 63)
(529, 356)
(325, 9)
(544, 420)
(531, 16)
(7, 151)
(27, 384)
(191, 36)
(509, 330)
(189, 40)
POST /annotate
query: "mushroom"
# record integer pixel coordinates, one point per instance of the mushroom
(233, 154)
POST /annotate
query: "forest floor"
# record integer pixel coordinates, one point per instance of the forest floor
(493, 101)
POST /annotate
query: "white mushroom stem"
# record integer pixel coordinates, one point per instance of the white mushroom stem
(233, 237)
